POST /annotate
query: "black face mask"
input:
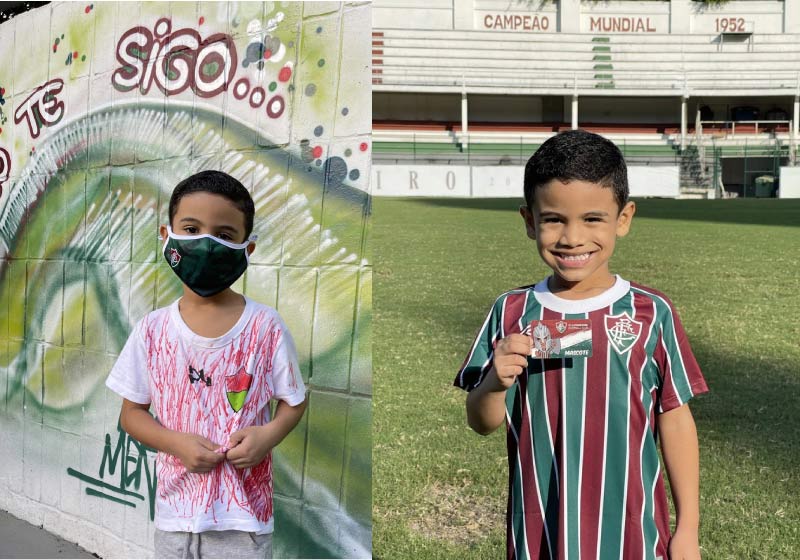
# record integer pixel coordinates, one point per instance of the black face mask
(206, 264)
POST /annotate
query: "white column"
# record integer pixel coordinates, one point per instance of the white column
(574, 111)
(791, 17)
(680, 12)
(684, 126)
(463, 14)
(795, 128)
(569, 16)
(464, 118)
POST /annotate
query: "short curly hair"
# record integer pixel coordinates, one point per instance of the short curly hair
(577, 155)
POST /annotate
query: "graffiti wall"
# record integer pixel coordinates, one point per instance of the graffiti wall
(104, 107)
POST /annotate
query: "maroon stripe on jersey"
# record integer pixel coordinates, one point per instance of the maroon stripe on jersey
(594, 434)
(511, 442)
(534, 516)
(661, 514)
(632, 537)
(513, 308)
(553, 384)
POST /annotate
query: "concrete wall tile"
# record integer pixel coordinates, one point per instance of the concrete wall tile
(95, 312)
(74, 302)
(361, 359)
(296, 291)
(18, 281)
(355, 74)
(331, 364)
(51, 455)
(32, 461)
(322, 481)
(30, 50)
(356, 494)
(70, 485)
(288, 514)
(261, 284)
(288, 459)
(12, 445)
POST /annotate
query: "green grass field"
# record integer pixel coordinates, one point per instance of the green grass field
(731, 267)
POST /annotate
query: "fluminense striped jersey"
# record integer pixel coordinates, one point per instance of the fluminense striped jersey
(584, 474)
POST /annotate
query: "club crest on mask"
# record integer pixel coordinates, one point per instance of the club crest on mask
(174, 257)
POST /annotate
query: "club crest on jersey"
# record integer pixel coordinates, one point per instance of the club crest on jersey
(561, 326)
(623, 331)
(174, 257)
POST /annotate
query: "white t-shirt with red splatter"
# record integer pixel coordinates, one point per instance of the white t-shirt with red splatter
(211, 387)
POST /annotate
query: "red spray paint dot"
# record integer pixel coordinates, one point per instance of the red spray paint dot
(285, 74)
(317, 151)
(75, 54)
(202, 20)
(2, 91)
(363, 147)
(87, 9)
(267, 54)
(1, 131)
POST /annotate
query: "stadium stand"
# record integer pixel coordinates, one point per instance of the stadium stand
(721, 106)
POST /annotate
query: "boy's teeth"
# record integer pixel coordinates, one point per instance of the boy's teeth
(581, 257)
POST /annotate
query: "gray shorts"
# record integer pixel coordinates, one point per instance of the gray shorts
(212, 544)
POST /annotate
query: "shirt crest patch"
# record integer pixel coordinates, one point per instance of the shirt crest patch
(622, 331)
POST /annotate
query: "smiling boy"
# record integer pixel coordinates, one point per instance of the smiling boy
(589, 371)
(209, 365)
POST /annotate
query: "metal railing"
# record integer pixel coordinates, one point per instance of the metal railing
(730, 126)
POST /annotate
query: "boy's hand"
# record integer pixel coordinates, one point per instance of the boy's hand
(684, 545)
(510, 358)
(197, 453)
(250, 445)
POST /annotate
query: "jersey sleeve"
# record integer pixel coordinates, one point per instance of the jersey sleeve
(129, 377)
(681, 377)
(287, 382)
(479, 359)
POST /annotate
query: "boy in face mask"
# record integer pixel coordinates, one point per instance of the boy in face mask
(208, 365)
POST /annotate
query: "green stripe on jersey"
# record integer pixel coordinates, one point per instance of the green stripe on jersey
(542, 444)
(679, 377)
(575, 394)
(616, 445)
(514, 407)
(650, 468)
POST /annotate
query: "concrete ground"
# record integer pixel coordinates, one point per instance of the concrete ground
(20, 539)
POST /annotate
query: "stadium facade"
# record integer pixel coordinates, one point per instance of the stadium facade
(703, 99)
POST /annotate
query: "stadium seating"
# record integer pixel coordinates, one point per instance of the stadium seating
(547, 63)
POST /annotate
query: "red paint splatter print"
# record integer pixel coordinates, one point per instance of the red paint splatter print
(197, 401)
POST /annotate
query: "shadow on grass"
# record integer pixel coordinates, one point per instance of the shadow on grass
(767, 212)
(753, 404)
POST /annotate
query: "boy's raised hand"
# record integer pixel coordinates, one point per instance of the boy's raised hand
(486, 407)
(510, 358)
(197, 453)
